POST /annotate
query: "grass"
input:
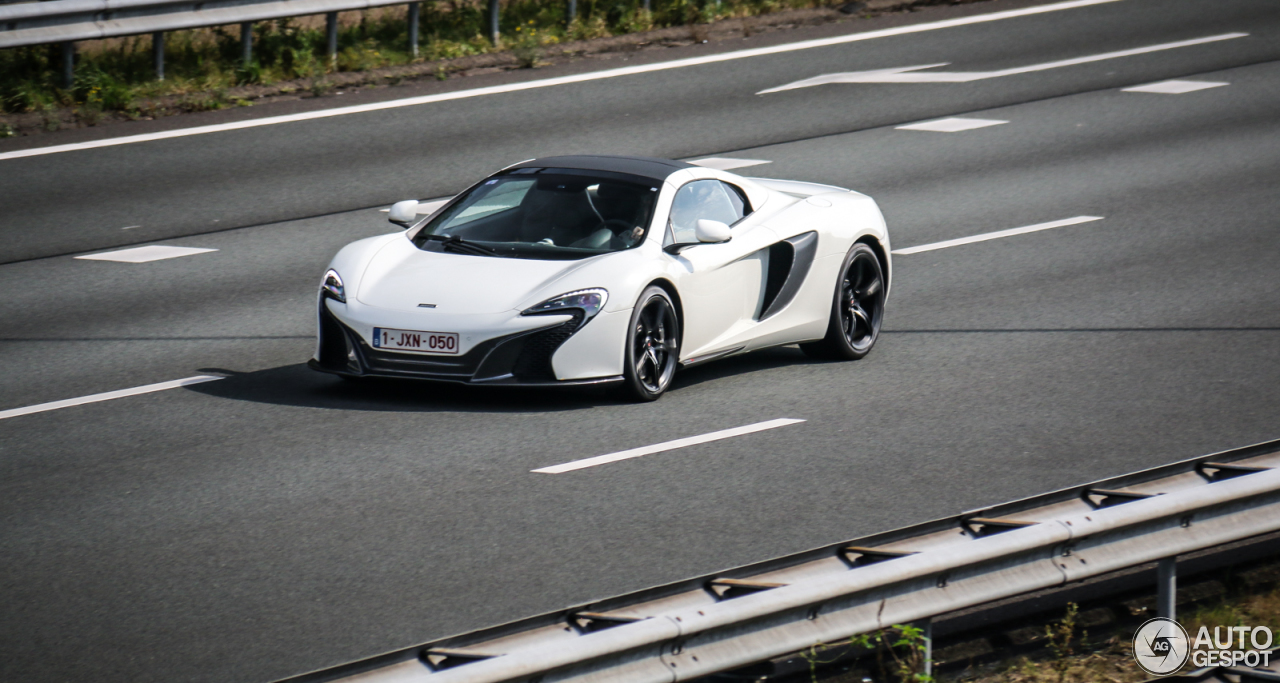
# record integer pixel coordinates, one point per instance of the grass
(1073, 659)
(202, 64)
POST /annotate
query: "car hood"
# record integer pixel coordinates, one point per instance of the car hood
(401, 276)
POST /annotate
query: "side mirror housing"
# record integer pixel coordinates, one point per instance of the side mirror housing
(712, 232)
(403, 213)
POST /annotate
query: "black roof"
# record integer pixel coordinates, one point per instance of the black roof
(645, 167)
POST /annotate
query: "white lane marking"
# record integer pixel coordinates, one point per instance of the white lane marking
(913, 74)
(107, 396)
(131, 227)
(1175, 87)
(727, 164)
(998, 234)
(667, 446)
(953, 125)
(155, 252)
(547, 82)
(426, 206)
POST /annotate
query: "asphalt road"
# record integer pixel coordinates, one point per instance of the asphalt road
(279, 520)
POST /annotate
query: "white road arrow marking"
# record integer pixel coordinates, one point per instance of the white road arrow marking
(914, 74)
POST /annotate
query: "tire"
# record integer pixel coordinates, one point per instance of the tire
(652, 346)
(857, 309)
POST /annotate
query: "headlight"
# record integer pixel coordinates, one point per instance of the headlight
(589, 301)
(332, 287)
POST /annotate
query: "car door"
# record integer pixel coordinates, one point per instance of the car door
(722, 283)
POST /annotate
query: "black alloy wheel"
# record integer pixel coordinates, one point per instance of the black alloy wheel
(857, 310)
(653, 345)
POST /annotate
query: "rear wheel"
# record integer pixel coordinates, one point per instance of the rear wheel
(857, 310)
(653, 346)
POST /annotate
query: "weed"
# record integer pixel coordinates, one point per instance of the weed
(7, 131)
(1062, 641)
(89, 114)
(50, 120)
(905, 645)
(527, 47)
(249, 73)
(636, 21)
(588, 28)
(318, 84)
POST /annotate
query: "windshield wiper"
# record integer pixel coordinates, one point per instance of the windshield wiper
(455, 243)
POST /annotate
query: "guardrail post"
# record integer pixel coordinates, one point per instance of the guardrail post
(157, 54)
(68, 65)
(331, 36)
(927, 627)
(1166, 587)
(414, 8)
(493, 22)
(571, 13)
(246, 42)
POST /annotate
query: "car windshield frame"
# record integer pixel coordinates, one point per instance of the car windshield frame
(545, 214)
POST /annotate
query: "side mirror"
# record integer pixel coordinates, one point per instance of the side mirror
(712, 232)
(403, 213)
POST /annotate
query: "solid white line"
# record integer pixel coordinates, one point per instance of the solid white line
(998, 234)
(106, 396)
(667, 446)
(562, 80)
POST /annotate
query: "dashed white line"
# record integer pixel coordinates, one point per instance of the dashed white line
(952, 125)
(155, 252)
(107, 396)
(1175, 87)
(666, 446)
(562, 80)
(727, 164)
(998, 234)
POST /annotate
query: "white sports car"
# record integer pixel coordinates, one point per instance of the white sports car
(606, 269)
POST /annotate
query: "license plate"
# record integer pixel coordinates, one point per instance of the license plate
(415, 340)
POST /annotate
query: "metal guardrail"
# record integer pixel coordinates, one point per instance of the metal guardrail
(67, 21)
(37, 23)
(752, 614)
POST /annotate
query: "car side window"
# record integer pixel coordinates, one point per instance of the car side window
(709, 199)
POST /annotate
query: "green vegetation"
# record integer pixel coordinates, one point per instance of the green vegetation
(899, 652)
(1078, 661)
(201, 65)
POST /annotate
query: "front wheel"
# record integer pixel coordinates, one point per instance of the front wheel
(652, 346)
(857, 310)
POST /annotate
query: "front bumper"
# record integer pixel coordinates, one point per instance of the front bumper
(522, 358)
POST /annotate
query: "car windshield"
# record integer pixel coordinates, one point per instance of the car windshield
(545, 214)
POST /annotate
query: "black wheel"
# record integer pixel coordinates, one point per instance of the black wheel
(857, 309)
(653, 347)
